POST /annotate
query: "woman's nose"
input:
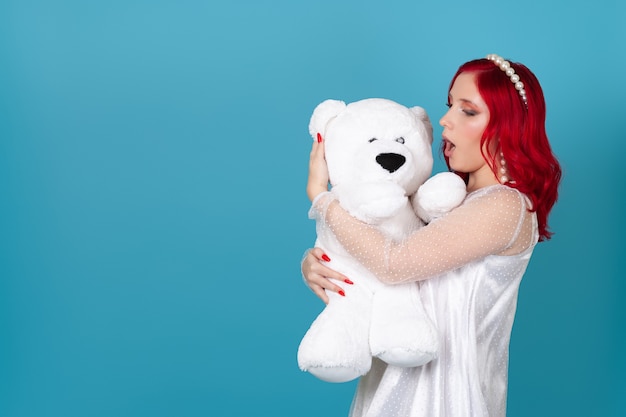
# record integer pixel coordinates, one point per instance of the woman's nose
(444, 121)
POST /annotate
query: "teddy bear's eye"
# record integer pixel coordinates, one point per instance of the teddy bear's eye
(400, 140)
(372, 140)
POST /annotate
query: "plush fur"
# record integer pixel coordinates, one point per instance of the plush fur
(379, 153)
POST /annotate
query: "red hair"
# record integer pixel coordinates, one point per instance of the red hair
(518, 131)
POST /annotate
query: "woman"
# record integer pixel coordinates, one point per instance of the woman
(468, 264)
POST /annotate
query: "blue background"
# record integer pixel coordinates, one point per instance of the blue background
(153, 158)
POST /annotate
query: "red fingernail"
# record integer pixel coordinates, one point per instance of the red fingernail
(341, 293)
(319, 138)
(347, 281)
(326, 258)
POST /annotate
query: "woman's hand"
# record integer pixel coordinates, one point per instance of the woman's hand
(318, 276)
(318, 170)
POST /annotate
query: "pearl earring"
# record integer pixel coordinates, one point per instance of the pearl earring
(503, 171)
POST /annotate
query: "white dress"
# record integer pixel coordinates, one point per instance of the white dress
(473, 305)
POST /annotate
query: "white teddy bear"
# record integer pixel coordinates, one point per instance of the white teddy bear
(379, 153)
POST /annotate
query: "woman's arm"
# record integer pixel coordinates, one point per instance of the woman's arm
(318, 170)
(486, 224)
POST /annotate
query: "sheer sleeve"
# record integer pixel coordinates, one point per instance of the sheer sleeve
(487, 223)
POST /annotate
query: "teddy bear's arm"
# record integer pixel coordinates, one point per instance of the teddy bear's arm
(438, 196)
(484, 225)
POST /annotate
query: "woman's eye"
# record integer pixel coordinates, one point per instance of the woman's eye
(372, 140)
(400, 140)
(469, 112)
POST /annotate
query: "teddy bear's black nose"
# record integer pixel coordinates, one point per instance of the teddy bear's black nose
(390, 161)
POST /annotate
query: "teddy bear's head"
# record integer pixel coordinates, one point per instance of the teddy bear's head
(375, 140)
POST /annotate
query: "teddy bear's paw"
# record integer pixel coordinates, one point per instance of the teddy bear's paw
(406, 358)
(372, 202)
(438, 195)
(336, 346)
(337, 374)
(340, 365)
(401, 333)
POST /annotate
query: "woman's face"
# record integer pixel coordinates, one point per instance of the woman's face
(463, 126)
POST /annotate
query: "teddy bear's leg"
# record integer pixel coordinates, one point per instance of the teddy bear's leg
(401, 332)
(336, 346)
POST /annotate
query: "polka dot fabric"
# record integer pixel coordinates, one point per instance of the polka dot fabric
(468, 266)
(493, 220)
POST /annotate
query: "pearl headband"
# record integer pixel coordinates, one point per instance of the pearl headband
(510, 72)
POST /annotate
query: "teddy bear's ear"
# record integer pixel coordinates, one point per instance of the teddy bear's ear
(324, 113)
(423, 116)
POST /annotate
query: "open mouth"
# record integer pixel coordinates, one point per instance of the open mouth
(448, 147)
